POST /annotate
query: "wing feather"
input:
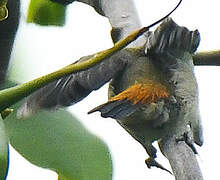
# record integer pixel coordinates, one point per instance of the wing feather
(73, 88)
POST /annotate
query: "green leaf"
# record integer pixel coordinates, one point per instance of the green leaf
(45, 12)
(58, 141)
(4, 151)
(3, 10)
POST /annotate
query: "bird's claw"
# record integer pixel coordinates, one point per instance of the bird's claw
(188, 140)
(151, 162)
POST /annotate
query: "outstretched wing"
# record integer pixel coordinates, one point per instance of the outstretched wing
(129, 100)
(73, 88)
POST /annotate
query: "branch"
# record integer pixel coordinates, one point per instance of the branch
(122, 16)
(208, 58)
(182, 159)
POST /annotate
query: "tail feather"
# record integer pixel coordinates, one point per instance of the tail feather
(116, 109)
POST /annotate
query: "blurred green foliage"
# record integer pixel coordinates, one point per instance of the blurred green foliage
(46, 12)
(58, 141)
(3, 151)
(3, 10)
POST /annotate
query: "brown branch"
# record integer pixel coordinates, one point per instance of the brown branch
(208, 58)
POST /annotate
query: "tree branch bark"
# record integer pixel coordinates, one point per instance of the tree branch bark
(122, 16)
(208, 58)
(181, 158)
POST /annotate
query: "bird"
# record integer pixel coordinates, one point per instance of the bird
(152, 89)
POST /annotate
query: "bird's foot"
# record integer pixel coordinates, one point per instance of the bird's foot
(188, 140)
(151, 162)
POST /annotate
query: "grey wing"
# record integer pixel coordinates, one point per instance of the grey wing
(73, 88)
